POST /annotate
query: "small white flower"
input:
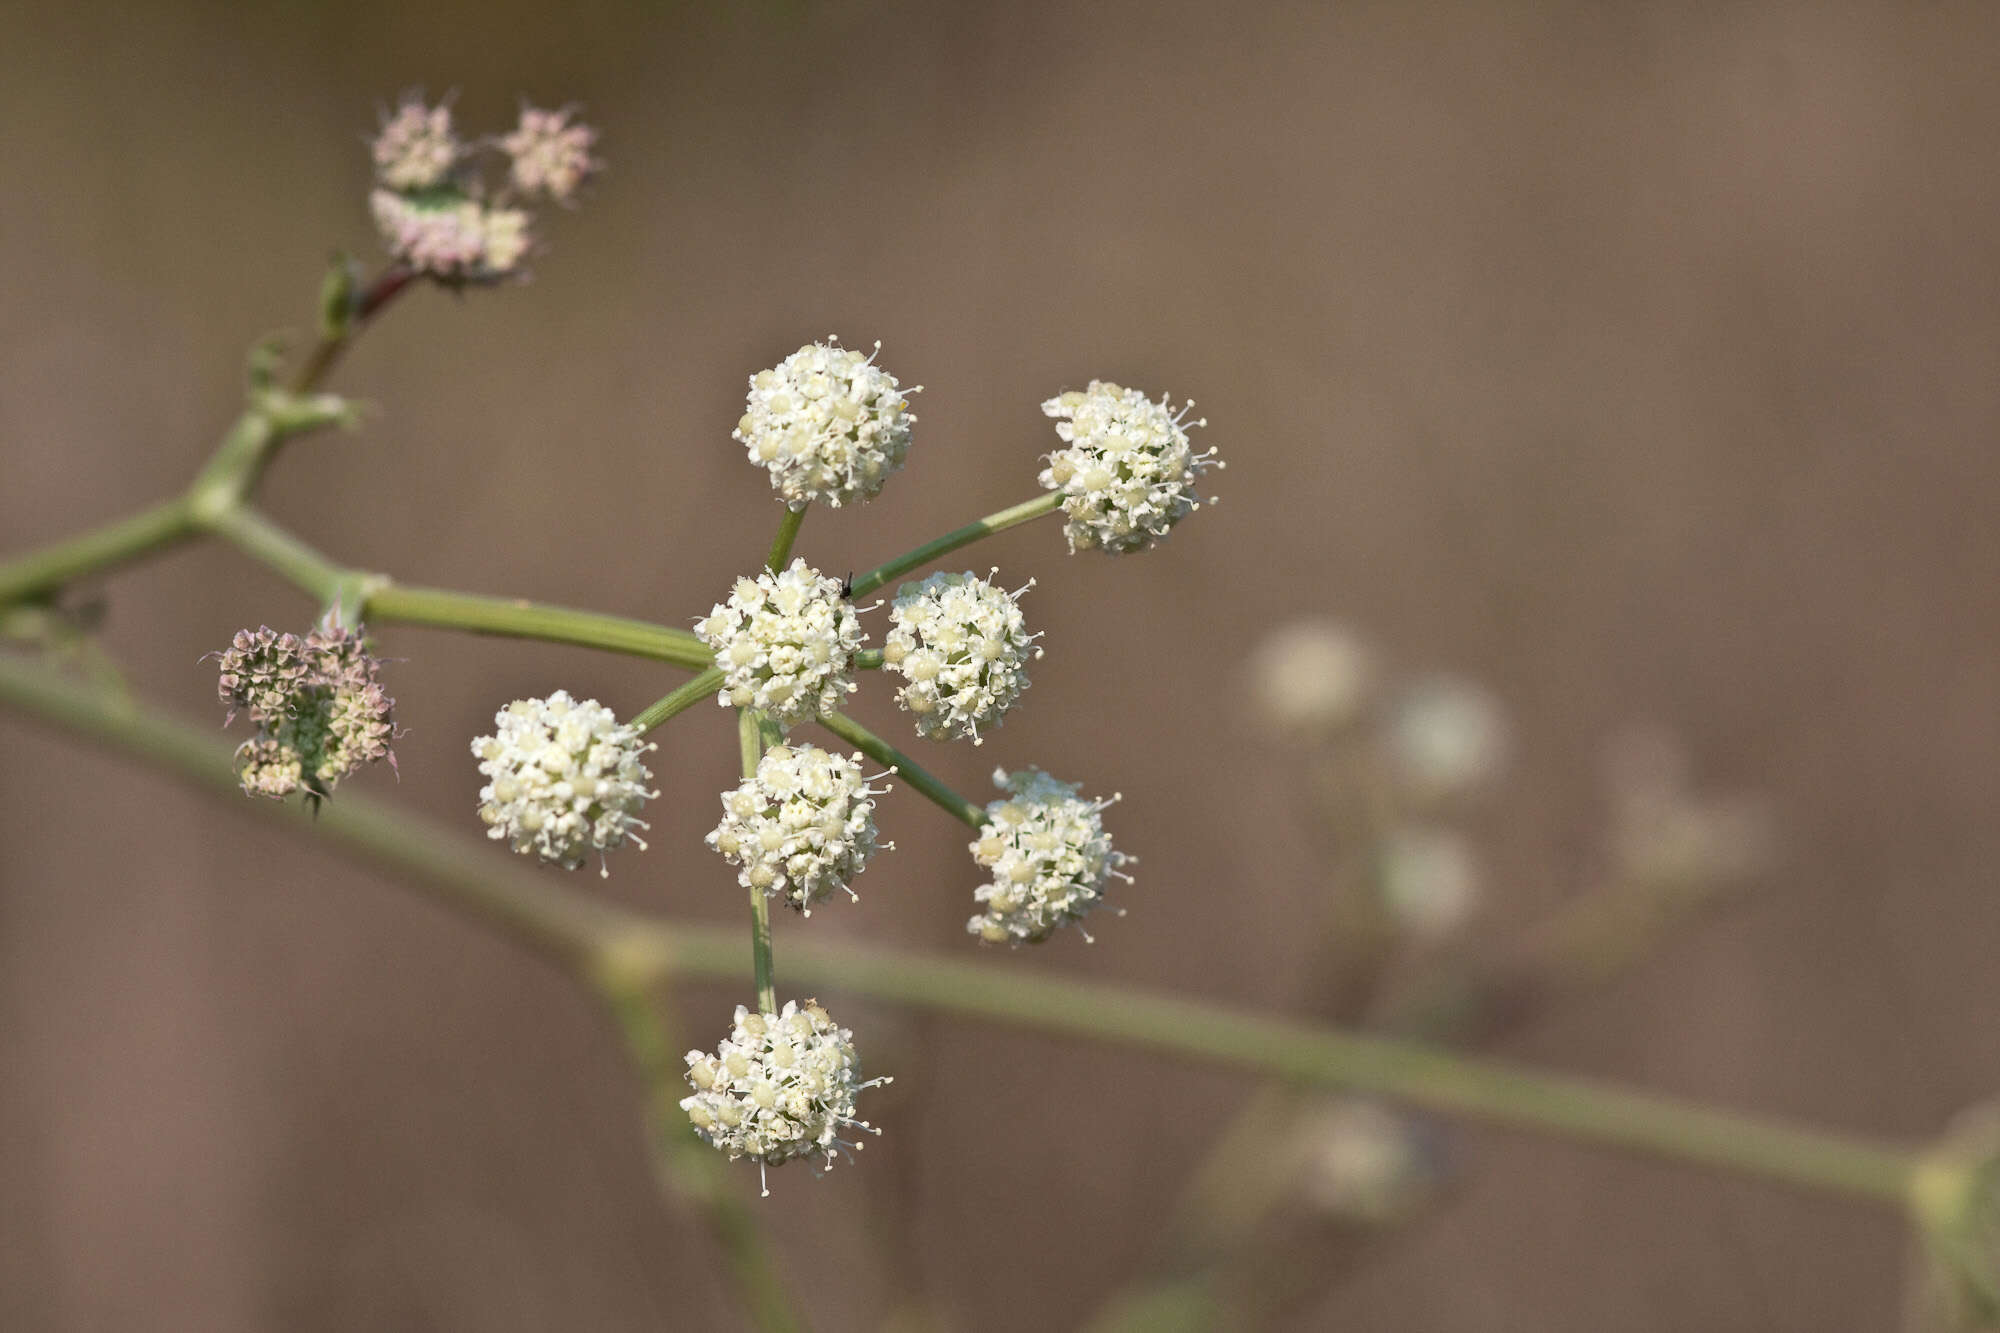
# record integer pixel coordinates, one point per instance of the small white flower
(1312, 676)
(1127, 473)
(565, 778)
(785, 643)
(779, 1086)
(803, 827)
(1049, 855)
(415, 148)
(828, 423)
(1446, 737)
(962, 646)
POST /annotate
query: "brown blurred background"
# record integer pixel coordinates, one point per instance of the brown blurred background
(1639, 364)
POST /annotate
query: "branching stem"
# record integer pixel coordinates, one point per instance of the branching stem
(1025, 512)
(905, 768)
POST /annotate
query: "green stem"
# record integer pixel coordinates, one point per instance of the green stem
(750, 733)
(515, 617)
(679, 701)
(377, 598)
(268, 544)
(127, 539)
(951, 541)
(904, 767)
(598, 939)
(781, 545)
(691, 1169)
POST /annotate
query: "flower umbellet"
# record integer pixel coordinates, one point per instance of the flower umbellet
(566, 779)
(781, 1085)
(802, 827)
(1049, 856)
(786, 642)
(1127, 473)
(962, 646)
(432, 205)
(828, 424)
(320, 712)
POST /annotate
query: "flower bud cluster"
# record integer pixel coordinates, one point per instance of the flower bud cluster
(785, 643)
(320, 712)
(1049, 856)
(566, 779)
(431, 207)
(802, 827)
(779, 1086)
(962, 646)
(1126, 472)
(828, 424)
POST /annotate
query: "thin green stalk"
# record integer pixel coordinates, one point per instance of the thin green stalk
(781, 545)
(679, 701)
(904, 767)
(115, 543)
(750, 733)
(515, 617)
(268, 544)
(598, 939)
(1021, 513)
(692, 1170)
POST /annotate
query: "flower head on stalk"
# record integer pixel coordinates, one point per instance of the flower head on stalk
(319, 710)
(565, 779)
(785, 643)
(962, 647)
(802, 827)
(1049, 856)
(1126, 471)
(779, 1086)
(828, 424)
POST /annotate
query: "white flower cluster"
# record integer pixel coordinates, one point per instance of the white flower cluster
(803, 827)
(1127, 473)
(780, 1086)
(962, 646)
(828, 424)
(565, 778)
(1049, 855)
(785, 643)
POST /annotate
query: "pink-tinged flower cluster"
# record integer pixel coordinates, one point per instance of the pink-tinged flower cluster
(320, 712)
(432, 207)
(550, 154)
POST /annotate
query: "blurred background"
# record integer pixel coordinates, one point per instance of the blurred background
(1638, 365)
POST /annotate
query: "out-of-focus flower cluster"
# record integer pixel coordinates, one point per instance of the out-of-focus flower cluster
(319, 710)
(431, 204)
